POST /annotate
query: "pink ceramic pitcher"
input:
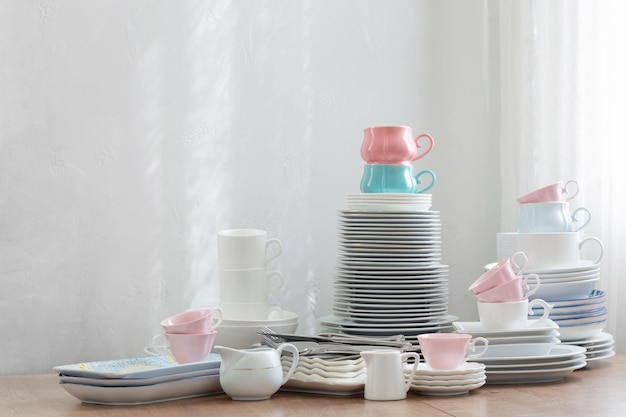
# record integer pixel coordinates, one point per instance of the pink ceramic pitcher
(393, 145)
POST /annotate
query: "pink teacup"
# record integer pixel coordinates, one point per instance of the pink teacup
(501, 273)
(185, 348)
(449, 350)
(512, 290)
(393, 145)
(551, 193)
(193, 321)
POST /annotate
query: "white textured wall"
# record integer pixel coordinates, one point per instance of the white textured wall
(132, 131)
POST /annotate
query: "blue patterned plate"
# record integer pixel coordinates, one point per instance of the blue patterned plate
(135, 368)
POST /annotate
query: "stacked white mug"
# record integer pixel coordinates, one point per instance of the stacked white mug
(246, 282)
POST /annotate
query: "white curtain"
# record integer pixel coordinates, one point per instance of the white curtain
(557, 105)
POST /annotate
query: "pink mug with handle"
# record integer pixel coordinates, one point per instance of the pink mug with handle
(394, 145)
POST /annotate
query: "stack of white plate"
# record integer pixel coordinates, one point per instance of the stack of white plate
(389, 280)
(599, 346)
(567, 283)
(321, 376)
(140, 380)
(515, 365)
(579, 318)
(461, 380)
(389, 202)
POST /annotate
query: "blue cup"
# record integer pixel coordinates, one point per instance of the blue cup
(382, 178)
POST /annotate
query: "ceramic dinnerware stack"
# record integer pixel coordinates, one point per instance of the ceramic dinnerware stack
(550, 235)
(446, 370)
(327, 376)
(389, 277)
(247, 282)
(140, 380)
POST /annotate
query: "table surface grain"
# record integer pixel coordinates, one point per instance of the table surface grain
(597, 390)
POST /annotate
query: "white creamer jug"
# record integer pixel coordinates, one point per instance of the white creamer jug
(254, 374)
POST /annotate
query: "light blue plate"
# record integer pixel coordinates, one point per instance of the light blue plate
(139, 367)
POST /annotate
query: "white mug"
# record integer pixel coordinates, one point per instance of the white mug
(246, 249)
(546, 251)
(551, 217)
(510, 315)
(248, 285)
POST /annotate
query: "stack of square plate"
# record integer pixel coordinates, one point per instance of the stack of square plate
(531, 354)
(140, 380)
(318, 375)
(461, 380)
(389, 277)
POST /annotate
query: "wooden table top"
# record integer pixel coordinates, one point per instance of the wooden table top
(597, 390)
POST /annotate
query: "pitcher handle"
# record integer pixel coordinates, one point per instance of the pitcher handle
(403, 358)
(294, 362)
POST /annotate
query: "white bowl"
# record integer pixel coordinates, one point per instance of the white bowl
(565, 290)
(288, 317)
(580, 332)
(244, 337)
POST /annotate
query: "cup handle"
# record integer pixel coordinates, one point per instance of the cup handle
(154, 349)
(281, 281)
(220, 317)
(403, 358)
(535, 288)
(582, 223)
(433, 179)
(472, 346)
(600, 246)
(431, 143)
(567, 192)
(546, 308)
(518, 265)
(278, 249)
(294, 361)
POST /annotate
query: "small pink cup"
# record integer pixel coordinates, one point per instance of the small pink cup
(449, 350)
(393, 145)
(501, 273)
(551, 193)
(187, 348)
(510, 291)
(193, 321)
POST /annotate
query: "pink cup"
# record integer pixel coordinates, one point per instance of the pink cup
(551, 193)
(393, 145)
(449, 350)
(193, 321)
(510, 291)
(501, 273)
(187, 348)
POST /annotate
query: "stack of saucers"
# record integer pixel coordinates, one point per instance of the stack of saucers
(467, 377)
(389, 277)
(599, 346)
(140, 380)
(318, 375)
(389, 202)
